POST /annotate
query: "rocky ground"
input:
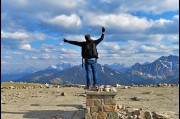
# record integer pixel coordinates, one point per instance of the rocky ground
(46, 102)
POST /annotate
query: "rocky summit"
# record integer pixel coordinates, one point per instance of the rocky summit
(72, 101)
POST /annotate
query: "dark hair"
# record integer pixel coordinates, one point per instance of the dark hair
(87, 37)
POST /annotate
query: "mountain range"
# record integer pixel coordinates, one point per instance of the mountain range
(19, 73)
(163, 70)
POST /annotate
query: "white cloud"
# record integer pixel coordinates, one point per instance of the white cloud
(34, 57)
(111, 46)
(31, 57)
(131, 36)
(11, 53)
(40, 57)
(22, 36)
(43, 5)
(47, 48)
(171, 37)
(65, 4)
(66, 21)
(15, 35)
(64, 16)
(151, 6)
(148, 48)
(69, 51)
(163, 26)
(4, 62)
(25, 47)
(7, 57)
(118, 22)
(161, 22)
(20, 40)
(75, 37)
(46, 56)
(176, 17)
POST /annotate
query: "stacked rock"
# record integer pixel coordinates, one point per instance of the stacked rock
(101, 105)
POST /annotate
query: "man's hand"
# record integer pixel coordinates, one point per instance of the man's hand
(103, 29)
(65, 40)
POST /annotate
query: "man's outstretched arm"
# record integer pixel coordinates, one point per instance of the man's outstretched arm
(102, 36)
(73, 42)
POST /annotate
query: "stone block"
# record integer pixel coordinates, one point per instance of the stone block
(88, 96)
(148, 115)
(137, 112)
(88, 116)
(89, 102)
(100, 109)
(97, 102)
(158, 115)
(94, 115)
(109, 102)
(102, 115)
(96, 109)
(109, 97)
(101, 97)
(110, 108)
(120, 107)
(112, 115)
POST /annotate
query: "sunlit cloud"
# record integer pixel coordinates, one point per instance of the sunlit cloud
(32, 31)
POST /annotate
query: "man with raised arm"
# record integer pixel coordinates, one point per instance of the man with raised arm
(90, 54)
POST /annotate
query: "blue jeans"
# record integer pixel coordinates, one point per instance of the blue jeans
(91, 64)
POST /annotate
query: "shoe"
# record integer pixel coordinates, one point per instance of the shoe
(87, 88)
(95, 86)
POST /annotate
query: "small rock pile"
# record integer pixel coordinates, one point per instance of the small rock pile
(128, 112)
(101, 104)
(155, 115)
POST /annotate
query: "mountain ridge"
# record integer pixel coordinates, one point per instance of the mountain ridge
(163, 70)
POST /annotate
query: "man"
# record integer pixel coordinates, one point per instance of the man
(89, 53)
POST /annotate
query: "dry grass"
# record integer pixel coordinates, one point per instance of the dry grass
(8, 84)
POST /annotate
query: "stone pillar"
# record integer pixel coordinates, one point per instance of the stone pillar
(101, 105)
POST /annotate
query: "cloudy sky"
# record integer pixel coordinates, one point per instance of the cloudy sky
(32, 31)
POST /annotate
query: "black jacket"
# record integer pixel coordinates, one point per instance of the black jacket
(82, 44)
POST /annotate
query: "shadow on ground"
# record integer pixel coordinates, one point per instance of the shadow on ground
(78, 113)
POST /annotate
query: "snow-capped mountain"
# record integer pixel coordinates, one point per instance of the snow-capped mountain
(19, 73)
(77, 75)
(161, 68)
(28, 70)
(118, 67)
(61, 66)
